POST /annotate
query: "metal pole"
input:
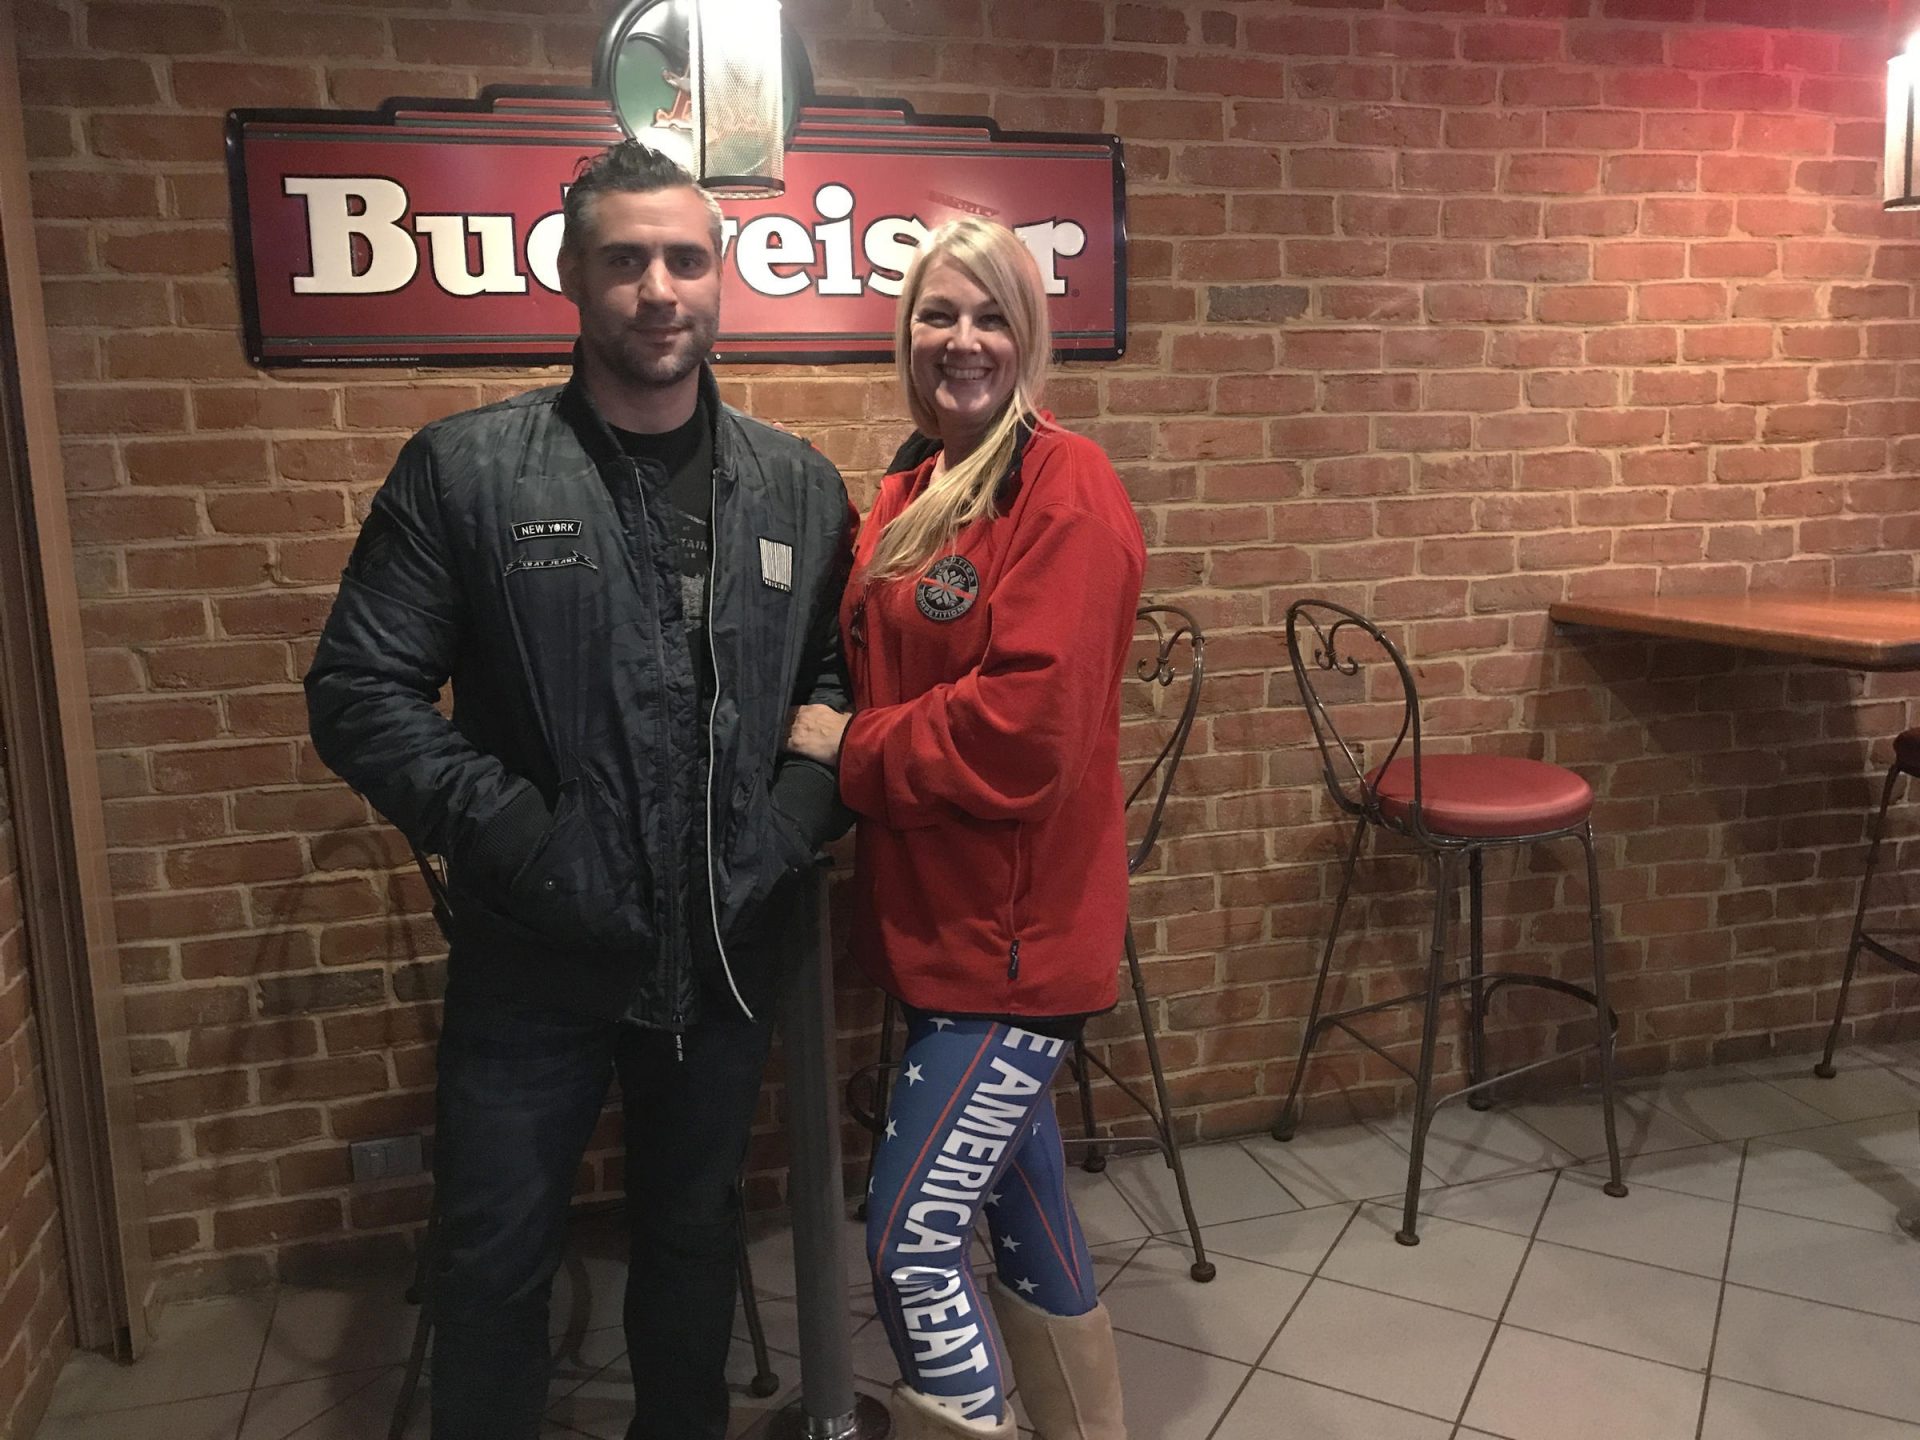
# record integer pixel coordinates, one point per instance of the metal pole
(829, 1408)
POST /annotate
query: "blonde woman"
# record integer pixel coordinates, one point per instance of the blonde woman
(986, 627)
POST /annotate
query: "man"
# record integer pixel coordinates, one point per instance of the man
(630, 585)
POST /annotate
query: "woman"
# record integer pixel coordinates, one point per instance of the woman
(986, 627)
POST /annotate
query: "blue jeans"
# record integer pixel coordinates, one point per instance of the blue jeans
(970, 1130)
(521, 1089)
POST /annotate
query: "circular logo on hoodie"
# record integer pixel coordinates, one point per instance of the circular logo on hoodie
(947, 591)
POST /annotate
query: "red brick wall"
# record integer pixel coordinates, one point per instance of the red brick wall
(36, 1324)
(1448, 308)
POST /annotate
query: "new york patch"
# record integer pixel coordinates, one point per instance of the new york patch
(947, 591)
(545, 530)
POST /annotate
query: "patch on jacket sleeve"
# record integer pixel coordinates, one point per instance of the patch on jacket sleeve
(545, 530)
(948, 590)
(776, 564)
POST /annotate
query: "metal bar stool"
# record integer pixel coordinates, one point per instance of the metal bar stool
(1906, 761)
(420, 1293)
(1171, 627)
(1450, 807)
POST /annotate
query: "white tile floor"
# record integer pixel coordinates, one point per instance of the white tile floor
(1752, 1287)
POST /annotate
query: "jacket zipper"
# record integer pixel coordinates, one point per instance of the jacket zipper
(713, 713)
(1013, 895)
(677, 1016)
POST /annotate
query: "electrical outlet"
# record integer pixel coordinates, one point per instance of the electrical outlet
(386, 1159)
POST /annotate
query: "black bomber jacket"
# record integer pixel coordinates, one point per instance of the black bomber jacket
(617, 841)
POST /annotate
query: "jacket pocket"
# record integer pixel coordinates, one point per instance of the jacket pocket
(767, 850)
(584, 883)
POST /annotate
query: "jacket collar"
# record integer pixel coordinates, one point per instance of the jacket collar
(578, 409)
(918, 448)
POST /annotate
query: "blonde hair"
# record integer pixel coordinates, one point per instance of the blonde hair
(999, 262)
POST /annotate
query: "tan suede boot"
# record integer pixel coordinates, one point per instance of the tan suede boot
(915, 1417)
(1065, 1367)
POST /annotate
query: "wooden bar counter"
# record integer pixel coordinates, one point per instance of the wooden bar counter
(1861, 629)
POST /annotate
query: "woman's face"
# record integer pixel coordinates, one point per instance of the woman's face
(963, 360)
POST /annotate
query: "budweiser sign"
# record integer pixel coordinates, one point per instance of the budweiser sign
(429, 232)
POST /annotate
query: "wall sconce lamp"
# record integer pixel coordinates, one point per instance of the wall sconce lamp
(1903, 127)
(710, 83)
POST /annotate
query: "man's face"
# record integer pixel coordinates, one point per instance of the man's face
(647, 283)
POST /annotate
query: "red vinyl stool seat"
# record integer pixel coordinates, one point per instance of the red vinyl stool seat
(1488, 796)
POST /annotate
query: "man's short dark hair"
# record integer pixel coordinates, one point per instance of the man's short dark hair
(627, 168)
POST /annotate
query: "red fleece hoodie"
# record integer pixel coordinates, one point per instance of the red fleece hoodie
(983, 756)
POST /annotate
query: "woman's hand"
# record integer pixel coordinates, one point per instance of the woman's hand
(816, 733)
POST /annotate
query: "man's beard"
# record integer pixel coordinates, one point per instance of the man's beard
(636, 361)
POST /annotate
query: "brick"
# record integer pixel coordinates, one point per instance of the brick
(1558, 263)
(1264, 303)
(1489, 219)
(1183, 120)
(1282, 214)
(273, 512)
(322, 1079)
(158, 28)
(253, 1225)
(1382, 304)
(188, 1097)
(1640, 174)
(197, 568)
(1148, 23)
(1264, 394)
(1512, 43)
(1584, 304)
(482, 44)
(1786, 134)
(1695, 301)
(1686, 217)
(1733, 258)
(1110, 70)
(1447, 173)
(1479, 304)
(1405, 39)
(1651, 90)
(1637, 260)
(88, 82)
(324, 990)
(138, 136)
(1341, 170)
(1344, 258)
(1230, 166)
(1552, 174)
(94, 195)
(1387, 126)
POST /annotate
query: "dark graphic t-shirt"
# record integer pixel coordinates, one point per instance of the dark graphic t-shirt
(677, 465)
(676, 474)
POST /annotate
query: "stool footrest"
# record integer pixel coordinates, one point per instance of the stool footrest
(1490, 981)
(1893, 957)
